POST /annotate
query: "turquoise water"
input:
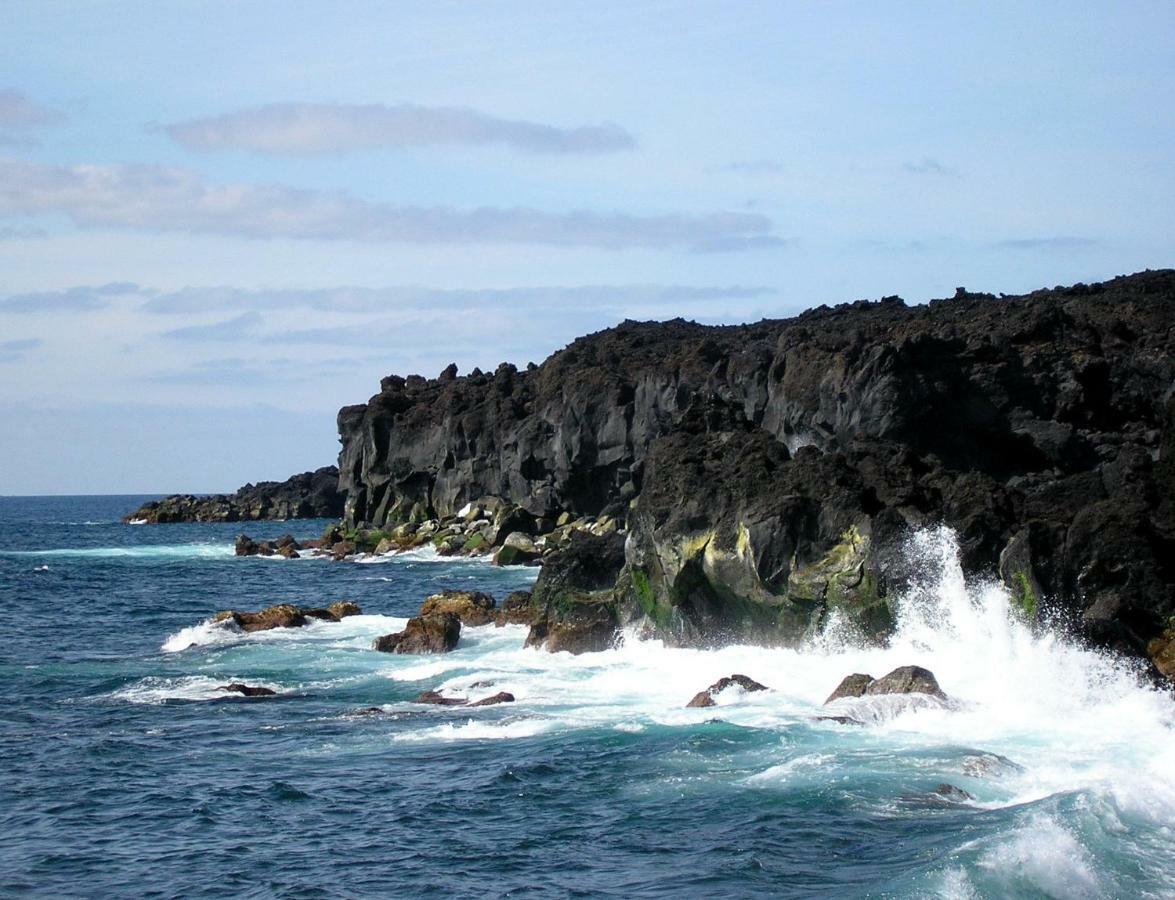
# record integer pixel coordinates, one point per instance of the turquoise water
(126, 773)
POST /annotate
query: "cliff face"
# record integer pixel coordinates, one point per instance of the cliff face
(310, 495)
(768, 473)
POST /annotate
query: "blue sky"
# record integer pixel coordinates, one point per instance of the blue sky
(219, 222)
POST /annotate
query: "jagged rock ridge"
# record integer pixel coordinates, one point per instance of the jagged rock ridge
(310, 495)
(768, 473)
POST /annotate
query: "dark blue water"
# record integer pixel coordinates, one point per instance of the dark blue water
(126, 773)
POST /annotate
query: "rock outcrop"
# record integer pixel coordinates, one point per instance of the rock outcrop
(247, 690)
(902, 680)
(767, 475)
(434, 633)
(310, 495)
(707, 697)
(471, 607)
(287, 615)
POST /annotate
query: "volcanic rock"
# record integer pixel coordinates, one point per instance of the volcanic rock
(768, 475)
(247, 690)
(311, 495)
(435, 633)
(471, 607)
(517, 608)
(706, 697)
(851, 686)
(286, 615)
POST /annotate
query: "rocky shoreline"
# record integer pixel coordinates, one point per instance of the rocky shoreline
(310, 495)
(764, 479)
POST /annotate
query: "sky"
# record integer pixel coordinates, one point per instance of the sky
(222, 221)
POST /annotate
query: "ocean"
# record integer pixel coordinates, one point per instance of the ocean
(1051, 773)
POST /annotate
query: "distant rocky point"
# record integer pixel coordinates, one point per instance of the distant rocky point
(310, 495)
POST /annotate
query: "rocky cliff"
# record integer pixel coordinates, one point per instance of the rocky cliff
(768, 474)
(310, 495)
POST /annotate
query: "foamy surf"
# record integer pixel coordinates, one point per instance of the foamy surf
(145, 552)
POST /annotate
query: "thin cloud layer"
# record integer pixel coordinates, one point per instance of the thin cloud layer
(307, 129)
(71, 300)
(162, 199)
(14, 351)
(1060, 242)
(379, 300)
(17, 110)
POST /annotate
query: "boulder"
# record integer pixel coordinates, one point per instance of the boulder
(286, 615)
(706, 697)
(247, 690)
(907, 680)
(435, 633)
(471, 607)
(342, 549)
(288, 552)
(518, 549)
(902, 680)
(851, 686)
(574, 598)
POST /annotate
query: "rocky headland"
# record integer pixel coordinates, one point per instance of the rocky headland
(310, 495)
(757, 480)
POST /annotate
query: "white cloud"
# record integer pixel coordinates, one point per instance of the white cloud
(298, 129)
(75, 299)
(157, 198)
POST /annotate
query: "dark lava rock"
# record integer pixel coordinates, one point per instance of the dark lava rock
(437, 699)
(518, 549)
(471, 607)
(574, 596)
(517, 608)
(902, 680)
(840, 720)
(851, 686)
(247, 690)
(436, 633)
(952, 793)
(706, 697)
(768, 474)
(286, 615)
(907, 680)
(311, 495)
(500, 697)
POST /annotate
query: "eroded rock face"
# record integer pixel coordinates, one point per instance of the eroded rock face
(471, 607)
(851, 686)
(310, 495)
(517, 608)
(706, 698)
(776, 467)
(574, 598)
(435, 633)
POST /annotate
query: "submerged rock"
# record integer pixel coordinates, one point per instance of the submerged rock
(247, 690)
(706, 697)
(434, 633)
(437, 699)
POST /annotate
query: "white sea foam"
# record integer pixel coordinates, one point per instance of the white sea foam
(350, 631)
(478, 730)
(147, 551)
(156, 690)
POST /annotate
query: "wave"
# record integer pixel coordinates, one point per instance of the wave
(351, 631)
(157, 690)
(147, 551)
